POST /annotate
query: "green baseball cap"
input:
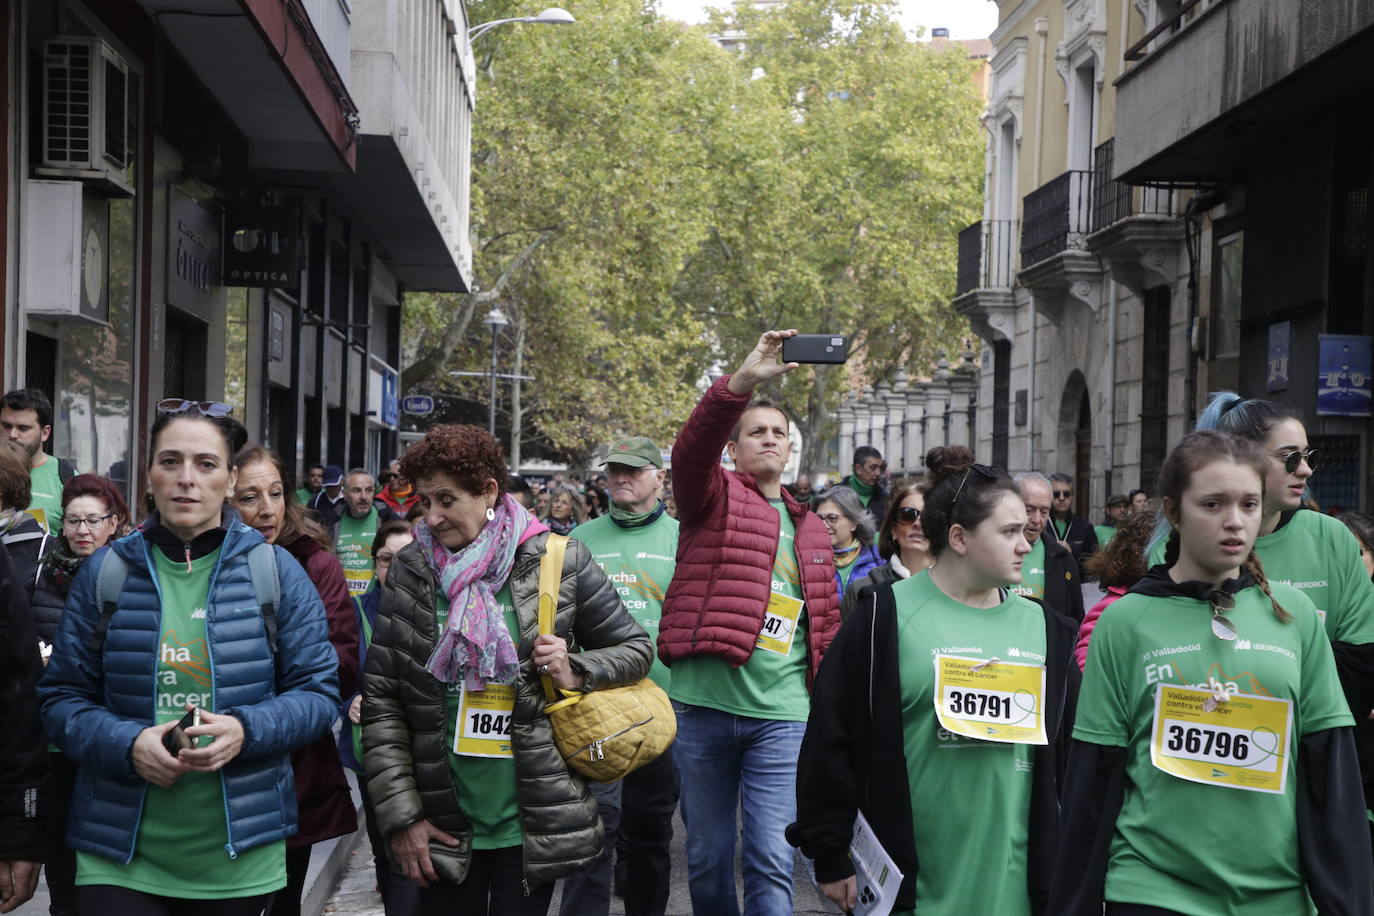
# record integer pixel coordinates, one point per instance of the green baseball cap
(635, 452)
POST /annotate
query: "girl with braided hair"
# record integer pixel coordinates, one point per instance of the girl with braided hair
(1212, 769)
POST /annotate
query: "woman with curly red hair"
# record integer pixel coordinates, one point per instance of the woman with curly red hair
(479, 806)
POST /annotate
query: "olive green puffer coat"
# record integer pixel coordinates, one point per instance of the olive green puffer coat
(403, 715)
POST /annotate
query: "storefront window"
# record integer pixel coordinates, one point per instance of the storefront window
(95, 409)
(1230, 251)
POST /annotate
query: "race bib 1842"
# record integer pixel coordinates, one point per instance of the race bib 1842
(484, 721)
(1241, 743)
(991, 700)
(780, 624)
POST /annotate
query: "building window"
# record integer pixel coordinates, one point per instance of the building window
(1226, 306)
(1001, 401)
(1154, 385)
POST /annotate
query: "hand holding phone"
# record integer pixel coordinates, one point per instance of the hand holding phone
(176, 739)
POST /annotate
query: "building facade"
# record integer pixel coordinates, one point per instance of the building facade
(1079, 285)
(228, 200)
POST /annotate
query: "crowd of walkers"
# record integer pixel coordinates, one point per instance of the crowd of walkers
(910, 657)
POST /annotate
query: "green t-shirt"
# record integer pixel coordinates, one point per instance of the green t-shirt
(970, 799)
(1317, 555)
(45, 502)
(183, 831)
(486, 785)
(1033, 572)
(303, 496)
(640, 563)
(1061, 527)
(354, 548)
(769, 685)
(1188, 846)
(1104, 533)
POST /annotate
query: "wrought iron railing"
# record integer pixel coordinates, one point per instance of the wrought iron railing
(1056, 216)
(986, 255)
(1113, 201)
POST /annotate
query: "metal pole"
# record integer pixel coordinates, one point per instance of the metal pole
(491, 407)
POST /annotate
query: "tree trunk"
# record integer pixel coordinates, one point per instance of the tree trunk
(814, 436)
(517, 413)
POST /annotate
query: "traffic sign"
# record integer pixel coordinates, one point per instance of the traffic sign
(419, 405)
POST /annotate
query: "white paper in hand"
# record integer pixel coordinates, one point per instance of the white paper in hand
(876, 877)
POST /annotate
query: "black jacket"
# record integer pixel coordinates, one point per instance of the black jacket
(1333, 832)
(1080, 536)
(853, 762)
(1063, 581)
(23, 748)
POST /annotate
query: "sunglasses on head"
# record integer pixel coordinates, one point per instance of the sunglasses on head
(908, 515)
(990, 473)
(204, 408)
(1291, 460)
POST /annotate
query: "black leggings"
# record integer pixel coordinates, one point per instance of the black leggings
(1138, 909)
(106, 898)
(494, 885)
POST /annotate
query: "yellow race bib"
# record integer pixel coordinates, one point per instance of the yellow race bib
(484, 722)
(779, 624)
(990, 699)
(1241, 743)
(358, 581)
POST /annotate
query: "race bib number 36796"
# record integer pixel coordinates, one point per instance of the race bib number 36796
(1241, 743)
(991, 700)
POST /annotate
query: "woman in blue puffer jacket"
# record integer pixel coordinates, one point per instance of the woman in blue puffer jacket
(206, 616)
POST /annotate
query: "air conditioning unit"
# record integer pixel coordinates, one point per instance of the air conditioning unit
(65, 254)
(87, 129)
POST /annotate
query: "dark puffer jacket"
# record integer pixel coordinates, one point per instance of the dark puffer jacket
(404, 713)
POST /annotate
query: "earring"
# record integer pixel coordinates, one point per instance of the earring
(491, 513)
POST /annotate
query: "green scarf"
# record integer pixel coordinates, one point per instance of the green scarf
(864, 490)
(635, 519)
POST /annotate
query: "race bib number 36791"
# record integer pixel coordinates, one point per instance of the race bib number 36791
(991, 700)
(1239, 744)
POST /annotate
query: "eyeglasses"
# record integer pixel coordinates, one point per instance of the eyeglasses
(74, 522)
(1063, 494)
(1222, 627)
(908, 516)
(1292, 459)
(205, 408)
(831, 519)
(987, 472)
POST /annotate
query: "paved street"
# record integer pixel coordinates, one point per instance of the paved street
(356, 896)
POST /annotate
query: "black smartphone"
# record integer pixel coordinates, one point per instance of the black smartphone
(176, 739)
(815, 348)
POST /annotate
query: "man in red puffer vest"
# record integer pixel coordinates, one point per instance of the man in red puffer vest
(751, 609)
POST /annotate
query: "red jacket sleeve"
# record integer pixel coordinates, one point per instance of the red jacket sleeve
(697, 475)
(327, 574)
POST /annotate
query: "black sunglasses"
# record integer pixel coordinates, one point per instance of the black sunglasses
(205, 408)
(908, 516)
(990, 473)
(1292, 459)
(1062, 494)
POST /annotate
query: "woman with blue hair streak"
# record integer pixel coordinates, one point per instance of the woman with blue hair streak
(1314, 553)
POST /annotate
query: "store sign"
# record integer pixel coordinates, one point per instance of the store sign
(192, 253)
(418, 405)
(260, 246)
(390, 405)
(1344, 363)
(1280, 336)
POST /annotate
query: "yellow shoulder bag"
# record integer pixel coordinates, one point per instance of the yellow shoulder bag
(604, 734)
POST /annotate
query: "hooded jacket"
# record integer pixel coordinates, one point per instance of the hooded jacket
(726, 548)
(96, 704)
(404, 714)
(853, 758)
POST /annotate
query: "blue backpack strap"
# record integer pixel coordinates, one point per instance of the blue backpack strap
(262, 566)
(108, 584)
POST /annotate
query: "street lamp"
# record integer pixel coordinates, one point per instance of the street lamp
(554, 15)
(496, 320)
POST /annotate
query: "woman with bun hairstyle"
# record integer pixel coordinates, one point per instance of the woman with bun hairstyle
(1212, 770)
(946, 660)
